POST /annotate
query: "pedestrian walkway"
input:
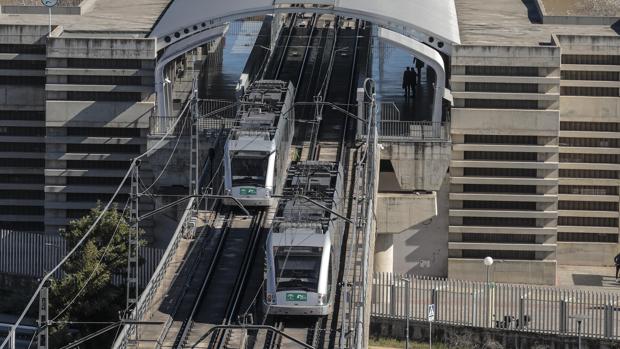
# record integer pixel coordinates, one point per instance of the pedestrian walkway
(588, 277)
(389, 64)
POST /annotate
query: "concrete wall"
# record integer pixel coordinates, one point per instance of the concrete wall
(420, 245)
(586, 253)
(513, 271)
(418, 165)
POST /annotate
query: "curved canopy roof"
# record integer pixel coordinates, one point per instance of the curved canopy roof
(430, 21)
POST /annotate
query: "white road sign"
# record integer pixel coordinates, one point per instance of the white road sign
(431, 312)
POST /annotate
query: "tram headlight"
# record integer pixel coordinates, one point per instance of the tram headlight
(322, 298)
(269, 298)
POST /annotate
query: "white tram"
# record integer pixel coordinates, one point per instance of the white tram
(256, 154)
(302, 249)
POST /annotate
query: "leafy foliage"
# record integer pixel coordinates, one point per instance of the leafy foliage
(89, 273)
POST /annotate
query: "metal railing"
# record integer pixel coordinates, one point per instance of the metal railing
(222, 114)
(149, 293)
(414, 130)
(524, 308)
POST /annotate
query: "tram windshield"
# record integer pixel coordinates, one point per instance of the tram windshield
(249, 171)
(298, 268)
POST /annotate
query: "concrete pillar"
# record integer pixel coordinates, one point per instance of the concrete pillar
(384, 253)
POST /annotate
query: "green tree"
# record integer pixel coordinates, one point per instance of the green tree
(88, 274)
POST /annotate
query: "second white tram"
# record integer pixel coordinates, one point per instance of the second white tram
(302, 249)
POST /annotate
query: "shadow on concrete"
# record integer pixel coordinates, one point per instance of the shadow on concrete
(532, 12)
(587, 280)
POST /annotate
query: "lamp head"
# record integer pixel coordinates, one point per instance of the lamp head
(488, 261)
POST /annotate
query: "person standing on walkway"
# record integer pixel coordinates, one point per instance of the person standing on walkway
(419, 64)
(617, 263)
(407, 81)
(413, 77)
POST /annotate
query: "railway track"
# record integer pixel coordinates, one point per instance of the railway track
(218, 298)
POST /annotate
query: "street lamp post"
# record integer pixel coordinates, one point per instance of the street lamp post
(579, 318)
(488, 262)
(407, 289)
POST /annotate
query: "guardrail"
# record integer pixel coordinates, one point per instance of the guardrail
(414, 130)
(523, 308)
(152, 287)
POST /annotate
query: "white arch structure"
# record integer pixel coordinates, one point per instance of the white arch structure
(187, 24)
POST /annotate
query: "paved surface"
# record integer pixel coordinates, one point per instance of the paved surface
(587, 277)
(511, 22)
(137, 16)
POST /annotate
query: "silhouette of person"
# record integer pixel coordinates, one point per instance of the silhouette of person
(407, 81)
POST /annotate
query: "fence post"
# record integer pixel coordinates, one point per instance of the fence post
(392, 299)
(563, 321)
(434, 301)
(609, 321)
(521, 312)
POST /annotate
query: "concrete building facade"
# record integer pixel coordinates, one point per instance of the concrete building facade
(534, 171)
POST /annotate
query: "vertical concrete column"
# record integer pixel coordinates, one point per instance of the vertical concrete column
(384, 253)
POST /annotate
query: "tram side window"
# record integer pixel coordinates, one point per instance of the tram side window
(249, 171)
(298, 268)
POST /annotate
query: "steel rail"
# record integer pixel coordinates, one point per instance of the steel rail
(241, 279)
(186, 325)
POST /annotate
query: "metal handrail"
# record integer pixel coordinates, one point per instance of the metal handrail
(152, 287)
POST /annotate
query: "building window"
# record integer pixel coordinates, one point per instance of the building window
(96, 63)
(91, 197)
(38, 163)
(77, 213)
(588, 190)
(500, 238)
(590, 75)
(590, 158)
(587, 237)
(104, 96)
(588, 174)
(588, 221)
(591, 59)
(22, 210)
(23, 49)
(94, 181)
(500, 156)
(103, 132)
(104, 80)
(22, 147)
(500, 87)
(505, 189)
(588, 205)
(590, 126)
(501, 139)
(499, 222)
(501, 71)
(22, 80)
(590, 91)
(26, 65)
(499, 205)
(22, 226)
(22, 178)
(25, 115)
(94, 164)
(515, 255)
(501, 104)
(589, 142)
(22, 194)
(500, 172)
(103, 148)
(22, 131)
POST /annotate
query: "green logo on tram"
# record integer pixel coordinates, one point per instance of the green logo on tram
(296, 297)
(247, 191)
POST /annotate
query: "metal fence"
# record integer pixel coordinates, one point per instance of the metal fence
(213, 114)
(523, 308)
(33, 254)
